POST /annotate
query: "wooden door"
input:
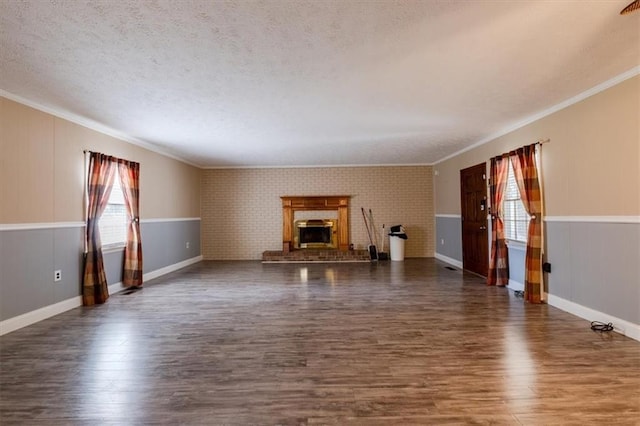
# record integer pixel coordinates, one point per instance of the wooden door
(473, 203)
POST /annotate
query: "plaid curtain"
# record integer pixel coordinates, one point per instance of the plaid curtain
(129, 172)
(94, 282)
(526, 173)
(499, 260)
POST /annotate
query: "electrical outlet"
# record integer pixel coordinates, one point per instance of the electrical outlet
(442, 241)
(57, 275)
(187, 244)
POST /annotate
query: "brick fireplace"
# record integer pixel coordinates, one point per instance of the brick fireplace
(338, 227)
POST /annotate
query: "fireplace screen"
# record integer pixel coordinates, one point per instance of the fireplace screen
(316, 233)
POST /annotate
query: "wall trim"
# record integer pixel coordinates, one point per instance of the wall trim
(453, 216)
(173, 219)
(94, 125)
(593, 219)
(560, 106)
(55, 225)
(515, 285)
(30, 226)
(318, 166)
(621, 326)
(29, 318)
(167, 269)
(516, 245)
(449, 260)
(117, 287)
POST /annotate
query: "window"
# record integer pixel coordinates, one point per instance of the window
(113, 222)
(516, 219)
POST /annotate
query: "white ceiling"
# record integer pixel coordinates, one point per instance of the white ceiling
(300, 83)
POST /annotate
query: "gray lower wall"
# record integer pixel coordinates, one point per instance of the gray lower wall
(165, 243)
(596, 265)
(593, 264)
(28, 259)
(516, 263)
(449, 237)
(449, 243)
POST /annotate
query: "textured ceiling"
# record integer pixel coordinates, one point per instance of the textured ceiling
(295, 83)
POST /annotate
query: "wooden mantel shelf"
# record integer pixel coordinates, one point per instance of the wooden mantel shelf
(291, 204)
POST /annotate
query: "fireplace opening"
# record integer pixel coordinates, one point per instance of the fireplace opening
(315, 233)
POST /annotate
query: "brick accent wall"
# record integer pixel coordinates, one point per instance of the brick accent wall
(242, 212)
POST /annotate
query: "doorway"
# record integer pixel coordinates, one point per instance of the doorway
(473, 206)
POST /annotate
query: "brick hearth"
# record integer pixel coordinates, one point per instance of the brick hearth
(316, 256)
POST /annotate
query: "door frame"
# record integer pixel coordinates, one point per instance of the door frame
(479, 212)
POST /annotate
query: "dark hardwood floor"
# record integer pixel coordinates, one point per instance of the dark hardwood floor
(249, 343)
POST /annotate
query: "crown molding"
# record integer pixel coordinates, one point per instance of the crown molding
(319, 166)
(94, 125)
(535, 117)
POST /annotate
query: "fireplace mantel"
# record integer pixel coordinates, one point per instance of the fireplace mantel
(291, 204)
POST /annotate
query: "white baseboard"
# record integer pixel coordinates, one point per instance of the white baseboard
(626, 328)
(449, 260)
(116, 288)
(167, 269)
(26, 319)
(515, 285)
(12, 324)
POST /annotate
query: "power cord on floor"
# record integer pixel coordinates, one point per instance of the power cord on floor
(601, 327)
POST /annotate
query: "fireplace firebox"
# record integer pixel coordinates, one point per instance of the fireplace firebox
(315, 233)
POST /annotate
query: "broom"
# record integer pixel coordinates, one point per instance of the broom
(381, 254)
(373, 251)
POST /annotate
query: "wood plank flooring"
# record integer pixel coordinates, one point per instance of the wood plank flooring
(374, 344)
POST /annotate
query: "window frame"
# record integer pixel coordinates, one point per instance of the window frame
(114, 246)
(511, 203)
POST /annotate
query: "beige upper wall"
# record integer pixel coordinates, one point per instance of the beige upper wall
(242, 210)
(591, 167)
(42, 170)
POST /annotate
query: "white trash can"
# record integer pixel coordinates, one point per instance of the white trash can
(396, 246)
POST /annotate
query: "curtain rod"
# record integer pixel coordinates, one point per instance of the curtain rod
(116, 159)
(538, 142)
